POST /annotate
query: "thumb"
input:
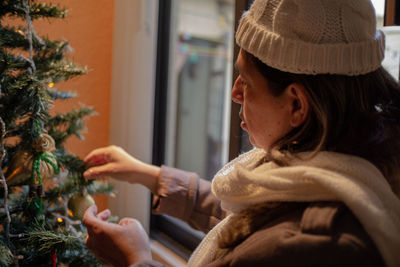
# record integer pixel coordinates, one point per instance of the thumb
(90, 216)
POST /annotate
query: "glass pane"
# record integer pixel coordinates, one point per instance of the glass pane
(391, 61)
(200, 85)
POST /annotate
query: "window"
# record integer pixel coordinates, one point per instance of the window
(193, 125)
(198, 101)
(392, 35)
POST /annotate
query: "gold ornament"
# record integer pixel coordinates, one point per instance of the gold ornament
(20, 170)
(44, 144)
(79, 203)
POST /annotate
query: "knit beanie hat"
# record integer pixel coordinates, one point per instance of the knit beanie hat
(313, 36)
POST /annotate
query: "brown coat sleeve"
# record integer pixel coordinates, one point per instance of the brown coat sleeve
(187, 197)
(322, 234)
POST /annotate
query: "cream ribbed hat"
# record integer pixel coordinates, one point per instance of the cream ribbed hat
(313, 36)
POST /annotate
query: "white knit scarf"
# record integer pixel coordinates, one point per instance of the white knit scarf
(329, 176)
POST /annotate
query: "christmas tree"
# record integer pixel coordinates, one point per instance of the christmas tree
(42, 191)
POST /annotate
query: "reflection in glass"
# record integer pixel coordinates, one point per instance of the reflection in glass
(199, 91)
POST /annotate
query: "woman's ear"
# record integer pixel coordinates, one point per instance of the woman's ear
(299, 104)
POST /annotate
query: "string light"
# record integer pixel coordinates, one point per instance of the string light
(51, 84)
(21, 32)
(59, 219)
(70, 213)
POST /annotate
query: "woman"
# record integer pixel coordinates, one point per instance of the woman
(321, 185)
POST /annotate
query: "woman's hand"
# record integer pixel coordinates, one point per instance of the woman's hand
(119, 244)
(116, 163)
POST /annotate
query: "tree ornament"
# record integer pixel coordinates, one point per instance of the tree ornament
(20, 170)
(79, 203)
(44, 144)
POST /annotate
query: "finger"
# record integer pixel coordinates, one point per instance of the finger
(89, 242)
(95, 225)
(126, 221)
(104, 215)
(98, 172)
(99, 154)
(98, 160)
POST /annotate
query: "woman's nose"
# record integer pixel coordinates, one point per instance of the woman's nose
(237, 93)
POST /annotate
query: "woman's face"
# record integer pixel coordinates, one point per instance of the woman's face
(265, 117)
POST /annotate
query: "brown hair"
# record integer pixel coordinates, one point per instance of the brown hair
(357, 115)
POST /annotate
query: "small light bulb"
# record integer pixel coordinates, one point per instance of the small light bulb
(51, 84)
(37, 9)
(21, 32)
(59, 219)
(70, 213)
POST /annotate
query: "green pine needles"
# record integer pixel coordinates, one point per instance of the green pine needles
(37, 174)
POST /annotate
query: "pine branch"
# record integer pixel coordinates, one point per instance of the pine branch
(66, 118)
(12, 37)
(51, 51)
(62, 126)
(98, 187)
(67, 188)
(13, 7)
(47, 241)
(57, 71)
(4, 184)
(12, 211)
(6, 255)
(37, 10)
(57, 45)
(74, 163)
(16, 84)
(75, 182)
(50, 57)
(43, 10)
(10, 63)
(78, 258)
(70, 249)
(55, 94)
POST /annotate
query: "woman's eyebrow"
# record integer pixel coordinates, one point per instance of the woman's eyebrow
(241, 70)
(238, 68)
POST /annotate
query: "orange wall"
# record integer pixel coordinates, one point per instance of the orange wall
(88, 27)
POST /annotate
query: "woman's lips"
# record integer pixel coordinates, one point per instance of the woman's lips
(243, 125)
